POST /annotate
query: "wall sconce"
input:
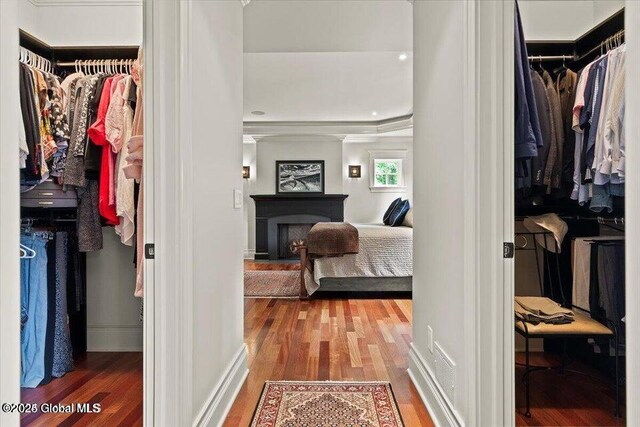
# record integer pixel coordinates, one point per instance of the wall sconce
(246, 172)
(355, 171)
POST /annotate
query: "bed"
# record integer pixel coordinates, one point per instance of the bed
(384, 263)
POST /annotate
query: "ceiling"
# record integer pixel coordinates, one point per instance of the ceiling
(327, 60)
(564, 19)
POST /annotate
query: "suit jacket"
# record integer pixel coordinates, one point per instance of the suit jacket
(553, 168)
(566, 87)
(538, 164)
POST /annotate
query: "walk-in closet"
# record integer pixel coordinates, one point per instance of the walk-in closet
(81, 206)
(569, 244)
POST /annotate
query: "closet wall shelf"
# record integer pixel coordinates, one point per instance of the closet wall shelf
(64, 56)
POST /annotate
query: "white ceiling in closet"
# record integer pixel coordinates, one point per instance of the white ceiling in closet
(564, 19)
(327, 60)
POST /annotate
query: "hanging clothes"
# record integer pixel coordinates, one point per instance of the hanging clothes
(97, 134)
(133, 168)
(527, 125)
(74, 170)
(119, 133)
(62, 350)
(77, 131)
(580, 149)
(33, 287)
(614, 139)
(554, 159)
(539, 163)
(566, 88)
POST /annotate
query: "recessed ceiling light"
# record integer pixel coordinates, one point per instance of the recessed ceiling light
(403, 57)
(258, 113)
(374, 113)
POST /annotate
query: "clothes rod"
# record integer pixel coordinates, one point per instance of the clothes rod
(551, 58)
(94, 62)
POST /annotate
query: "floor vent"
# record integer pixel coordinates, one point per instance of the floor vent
(445, 372)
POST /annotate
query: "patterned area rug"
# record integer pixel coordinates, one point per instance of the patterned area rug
(327, 404)
(278, 284)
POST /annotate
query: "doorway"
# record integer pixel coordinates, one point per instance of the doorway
(569, 272)
(95, 324)
(327, 141)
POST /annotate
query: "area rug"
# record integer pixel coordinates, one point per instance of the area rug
(274, 284)
(327, 404)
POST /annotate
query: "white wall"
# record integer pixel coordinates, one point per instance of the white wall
(321, 147)
(438, 190)
(564, 19)
(113, 313)
(215, 127)
(605, 8)
(28, 18)
(60, 23)
(363, 205)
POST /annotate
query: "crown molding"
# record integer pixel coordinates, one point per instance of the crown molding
(316, 138)
(328, 128)
(245, 2)
(367, 139)
(248, 139)
(52, 3)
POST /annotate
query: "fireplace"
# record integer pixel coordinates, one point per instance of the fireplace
(287, 233)
(281, 218)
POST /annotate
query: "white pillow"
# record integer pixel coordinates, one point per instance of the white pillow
(408, 219)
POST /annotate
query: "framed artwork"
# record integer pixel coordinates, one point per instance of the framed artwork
(299, 176)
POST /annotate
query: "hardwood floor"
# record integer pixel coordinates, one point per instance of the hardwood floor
(565, 400)
(112, 379)
(339, 339)
(270, 265)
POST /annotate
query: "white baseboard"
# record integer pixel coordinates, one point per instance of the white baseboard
(114, 338)
(217, 406)
(438, 404)
(249, 254)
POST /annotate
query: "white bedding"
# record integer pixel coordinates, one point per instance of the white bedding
(384, 252)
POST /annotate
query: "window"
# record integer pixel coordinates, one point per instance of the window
(387, 171)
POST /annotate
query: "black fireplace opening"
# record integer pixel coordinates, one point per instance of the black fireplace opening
(287, 233)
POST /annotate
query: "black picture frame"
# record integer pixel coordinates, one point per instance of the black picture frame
(306, 183)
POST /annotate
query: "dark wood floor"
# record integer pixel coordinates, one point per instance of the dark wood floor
(270, 265)
(565, 400)
(338, 339)
(112, 379)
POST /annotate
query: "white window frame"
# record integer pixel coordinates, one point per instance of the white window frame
(387, 155)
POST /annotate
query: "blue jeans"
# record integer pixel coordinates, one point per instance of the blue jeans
(33, 285)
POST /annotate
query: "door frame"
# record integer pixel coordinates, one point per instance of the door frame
(632, 203)
(9, 213)
(491, 36)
